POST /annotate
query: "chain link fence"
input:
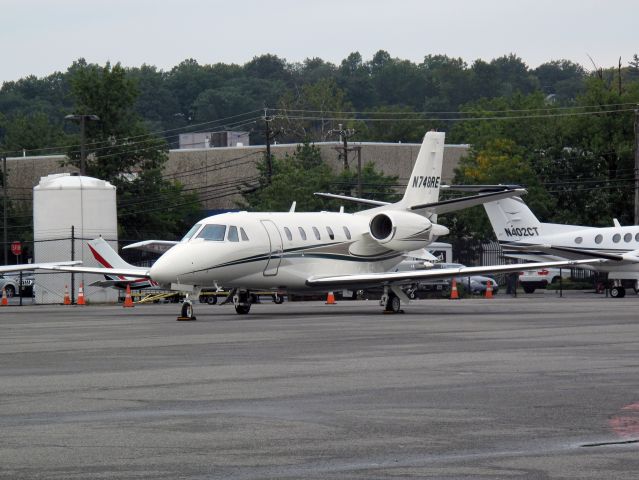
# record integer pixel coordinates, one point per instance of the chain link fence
(47, 287)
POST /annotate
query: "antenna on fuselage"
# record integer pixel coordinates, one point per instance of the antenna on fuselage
(293, 205)
(341, 209)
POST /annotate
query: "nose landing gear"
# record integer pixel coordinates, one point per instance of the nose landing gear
(186, 312)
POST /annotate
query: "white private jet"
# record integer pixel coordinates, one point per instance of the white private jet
(522, 235)
(314, 251)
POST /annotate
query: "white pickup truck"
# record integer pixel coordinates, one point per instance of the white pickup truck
(532, 279)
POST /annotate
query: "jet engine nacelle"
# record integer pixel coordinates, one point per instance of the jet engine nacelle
(400, 230)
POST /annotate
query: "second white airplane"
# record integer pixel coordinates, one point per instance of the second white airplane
(522, 235)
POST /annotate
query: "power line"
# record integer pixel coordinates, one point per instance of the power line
(453, 112)
(157, 132)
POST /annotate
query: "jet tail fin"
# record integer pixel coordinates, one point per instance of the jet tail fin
(512, 220)
(106, 256)
(425, 180)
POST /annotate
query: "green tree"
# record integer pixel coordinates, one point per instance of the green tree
(124, 153)
(297, 177)
(499, 161)
(309, 112)
(31, 133)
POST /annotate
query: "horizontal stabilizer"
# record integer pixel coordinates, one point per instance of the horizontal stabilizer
(114, 283)
(155, 246)
(455, 204)
(363, 201)
(480, 188)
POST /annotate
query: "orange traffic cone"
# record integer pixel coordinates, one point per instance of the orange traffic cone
(454, 294)
(81, 295)
(330, 299)
(128, 301)
(67, 299)
(489, 289)
(5, 300)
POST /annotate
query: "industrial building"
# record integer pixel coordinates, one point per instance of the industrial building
(219, 173)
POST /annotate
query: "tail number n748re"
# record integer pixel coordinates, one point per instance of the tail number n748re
(425, 182)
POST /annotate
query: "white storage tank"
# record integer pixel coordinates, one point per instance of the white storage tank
(65, 206)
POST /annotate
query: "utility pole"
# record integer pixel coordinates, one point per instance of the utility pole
(359, 170)
(344, 135)
(270, 135)
(82, 119)
(4, 206)
(637, 166)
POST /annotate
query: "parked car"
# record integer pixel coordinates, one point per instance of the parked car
(10, 285)
(541, 278)
(11, 281)
(476, 284)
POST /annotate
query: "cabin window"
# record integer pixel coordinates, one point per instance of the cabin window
(243, 235)
(579, 240)
(637, 237)
(347, 232)
(598, 239)
(627, 237)
(616, 238)
(316, 232)
(196, 227)
(213, 232)
(233, 236)
(302, 233)
(331, 235)
(288, 233)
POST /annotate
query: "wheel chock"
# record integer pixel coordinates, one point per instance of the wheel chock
(186, 319)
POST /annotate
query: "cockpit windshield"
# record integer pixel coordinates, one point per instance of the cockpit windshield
(191, 232)
(213, 232)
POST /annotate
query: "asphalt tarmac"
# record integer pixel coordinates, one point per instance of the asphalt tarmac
(532, 387)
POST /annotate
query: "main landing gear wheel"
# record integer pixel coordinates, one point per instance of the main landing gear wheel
(242, 302)
(243, 309)
(186, 312)
(393, 304)
(617, 292)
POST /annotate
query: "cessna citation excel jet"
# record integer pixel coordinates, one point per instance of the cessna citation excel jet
(522, 235)
(316, 251)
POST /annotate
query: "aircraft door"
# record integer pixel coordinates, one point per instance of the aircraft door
(276, 248)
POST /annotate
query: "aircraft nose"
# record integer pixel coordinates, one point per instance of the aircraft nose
(165, 269)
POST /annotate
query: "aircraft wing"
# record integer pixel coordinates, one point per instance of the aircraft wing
(455, 204)
(35, 266)
(577, 253)
(399, 278)
(129, 272)
(154, 246)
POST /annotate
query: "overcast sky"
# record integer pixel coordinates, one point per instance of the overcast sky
(40, 37)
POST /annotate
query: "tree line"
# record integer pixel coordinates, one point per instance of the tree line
(564, 132)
